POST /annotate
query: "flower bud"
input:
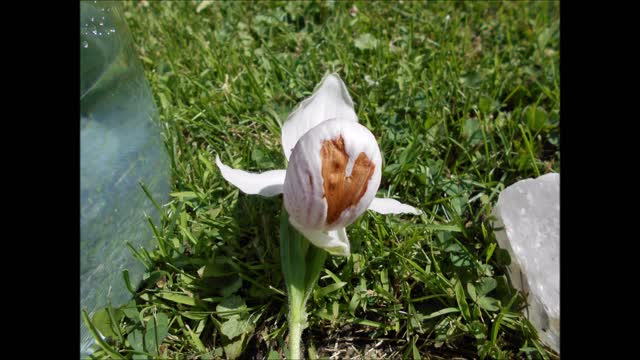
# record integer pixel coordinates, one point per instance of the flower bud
(333, 175)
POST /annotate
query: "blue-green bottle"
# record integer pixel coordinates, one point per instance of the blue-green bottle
(120, 147)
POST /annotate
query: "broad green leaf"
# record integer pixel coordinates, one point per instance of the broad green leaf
(102, 322)
(235, 327)
(130, 310)
(472, 132)
(231, 307)
(136, 340)
(488, 303)
(536, 118)
(233, 349)
(486, 285)
(365, 42)
(157, 330)
(471, 289)
(460, 259)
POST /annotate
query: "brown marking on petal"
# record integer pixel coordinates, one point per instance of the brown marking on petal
(343, 191)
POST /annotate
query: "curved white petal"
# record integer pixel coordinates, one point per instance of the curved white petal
(335, 242)
(268, 183)
(391, 206)
(331, 100)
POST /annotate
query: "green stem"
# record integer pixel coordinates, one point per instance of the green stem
(297, 318)
(301, 265)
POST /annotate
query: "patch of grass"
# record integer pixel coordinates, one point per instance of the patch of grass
(464, 101)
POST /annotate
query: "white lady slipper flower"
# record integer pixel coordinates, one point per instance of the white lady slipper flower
(334, 170)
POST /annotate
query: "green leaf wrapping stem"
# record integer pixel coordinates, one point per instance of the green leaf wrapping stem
(301, 265)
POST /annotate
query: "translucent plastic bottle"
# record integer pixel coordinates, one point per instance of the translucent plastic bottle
(121, 146)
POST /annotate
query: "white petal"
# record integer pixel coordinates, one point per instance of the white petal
(335, 242)
(330, 101)
(391, 206)
(268, 183)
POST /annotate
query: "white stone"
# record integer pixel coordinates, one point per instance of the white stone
(529, 212)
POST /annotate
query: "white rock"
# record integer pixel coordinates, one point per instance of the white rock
(529, 211)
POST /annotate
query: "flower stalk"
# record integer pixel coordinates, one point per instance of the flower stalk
(301, 265)
(334, 168)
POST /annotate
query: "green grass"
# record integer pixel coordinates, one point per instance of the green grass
(464, 99)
